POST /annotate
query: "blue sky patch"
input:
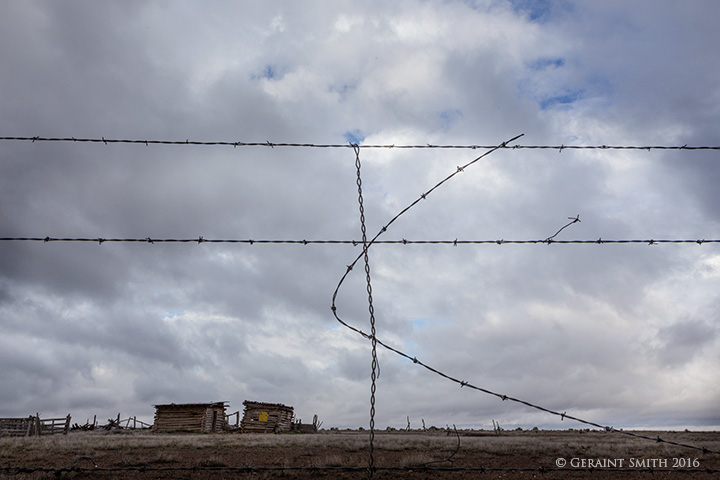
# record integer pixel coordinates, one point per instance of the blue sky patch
(420, 322)
(354, 136)
(536, 10)
(425, 322)
(540, 11)
(563, 100)
(269, 71)
(475, 4)
(449, 117)
(545, 63)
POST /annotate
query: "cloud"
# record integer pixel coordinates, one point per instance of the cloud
(683, 340)
(610, 332)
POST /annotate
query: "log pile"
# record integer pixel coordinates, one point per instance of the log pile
(261, 417)
(307, 427)
(190, 417)
(131, 423)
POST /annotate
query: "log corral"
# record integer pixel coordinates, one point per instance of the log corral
(261, 417)
(190, 417)
(33, 425)
(17, 427)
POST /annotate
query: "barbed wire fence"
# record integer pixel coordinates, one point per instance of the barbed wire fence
(366, 244)
(268, 143)
(456, 242)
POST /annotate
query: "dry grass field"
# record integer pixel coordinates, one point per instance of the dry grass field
(147, 456)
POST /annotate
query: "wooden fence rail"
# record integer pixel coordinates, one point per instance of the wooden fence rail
(52, 426)
(17, 427)
(33, 426)
(237, 418)
(134, 422)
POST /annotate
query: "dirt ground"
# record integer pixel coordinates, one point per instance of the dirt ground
(405, 455)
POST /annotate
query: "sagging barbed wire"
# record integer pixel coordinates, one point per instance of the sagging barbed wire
(463, 383)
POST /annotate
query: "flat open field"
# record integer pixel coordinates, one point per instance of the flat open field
(147, 456)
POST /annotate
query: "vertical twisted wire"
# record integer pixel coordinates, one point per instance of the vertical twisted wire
(371, 309)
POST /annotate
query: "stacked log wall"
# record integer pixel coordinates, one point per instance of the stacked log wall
(214, 419)
(190, 417)
(261, 417)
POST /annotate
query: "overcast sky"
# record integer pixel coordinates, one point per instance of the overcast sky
(626, 335)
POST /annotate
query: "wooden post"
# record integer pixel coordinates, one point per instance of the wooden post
(496, 427)
(67, 424)
(30, 422)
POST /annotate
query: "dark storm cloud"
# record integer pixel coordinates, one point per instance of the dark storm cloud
(682, 341)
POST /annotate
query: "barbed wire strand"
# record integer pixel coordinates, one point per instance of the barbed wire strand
(235, 144)
(404, 241)
(463, 383)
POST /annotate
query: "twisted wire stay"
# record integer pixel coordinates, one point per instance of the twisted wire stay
(374, 364)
